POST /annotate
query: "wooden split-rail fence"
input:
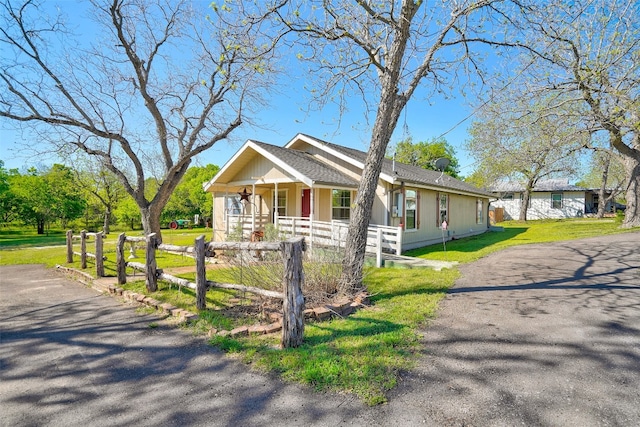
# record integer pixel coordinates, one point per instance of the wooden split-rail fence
(292, 250)
(83, 254)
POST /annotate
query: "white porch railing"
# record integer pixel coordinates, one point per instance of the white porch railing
(380, 238)
(247, 223)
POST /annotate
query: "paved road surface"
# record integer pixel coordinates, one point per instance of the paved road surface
(533, 335)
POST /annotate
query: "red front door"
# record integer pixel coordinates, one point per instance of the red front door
(306, 203)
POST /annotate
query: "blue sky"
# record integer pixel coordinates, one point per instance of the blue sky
(286, 116)
(286, 119)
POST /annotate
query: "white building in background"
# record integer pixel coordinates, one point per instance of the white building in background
(550, 199)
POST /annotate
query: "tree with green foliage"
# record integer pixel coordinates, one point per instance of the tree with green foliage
(8, 199)
(606, 173)
(425, 153)
(522, 141)
(127, 212)
(189, 199)
(48, 196)
(103, 191)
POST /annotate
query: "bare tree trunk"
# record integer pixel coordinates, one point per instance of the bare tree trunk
(151, 222)
(40, 225)
(602, 199)
(107, 220)
(386, 119)
(632, 212)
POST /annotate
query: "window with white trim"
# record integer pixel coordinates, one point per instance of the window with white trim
(479, 211)
(411, 210)
(233, 205)
(556, 200)
(282, 202)
(341, 204)
(443, 205)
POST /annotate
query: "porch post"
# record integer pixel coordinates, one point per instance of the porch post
(225, 213)
(253, 208)
(276, 207)
(311, 202)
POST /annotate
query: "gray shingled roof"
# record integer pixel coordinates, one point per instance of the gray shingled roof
(410, 174)
(560, 184)
(309, 166)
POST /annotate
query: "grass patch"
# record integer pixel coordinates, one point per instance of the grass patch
(519, 233)
(364, 352)
(24, 238)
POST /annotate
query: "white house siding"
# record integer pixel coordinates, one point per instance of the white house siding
(511, 207)
(540, 207)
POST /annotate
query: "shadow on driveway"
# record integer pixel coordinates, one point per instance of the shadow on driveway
(534, 335)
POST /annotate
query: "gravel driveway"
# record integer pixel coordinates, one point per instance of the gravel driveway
(538, 335)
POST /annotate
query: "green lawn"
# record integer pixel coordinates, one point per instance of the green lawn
(364, 352)
(519, 233)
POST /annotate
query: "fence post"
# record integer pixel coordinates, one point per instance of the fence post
(121, 264)
(293, 304)
(399, 248)
(99, 258)
(83, 249)
(151, 265)
(69, 246)
(201, 274)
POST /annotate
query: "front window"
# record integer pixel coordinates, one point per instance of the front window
(410, 210)
(280, 205)
(341, 204)
(444, 209)
(479, 211)
(233, 205)
(556, 200)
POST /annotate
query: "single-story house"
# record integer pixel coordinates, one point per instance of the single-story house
(552, 198)
(310, 184)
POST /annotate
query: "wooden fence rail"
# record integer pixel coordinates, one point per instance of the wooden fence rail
(83, 254)
(293, 300)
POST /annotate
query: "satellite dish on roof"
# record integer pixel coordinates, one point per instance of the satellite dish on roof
(442, 163)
